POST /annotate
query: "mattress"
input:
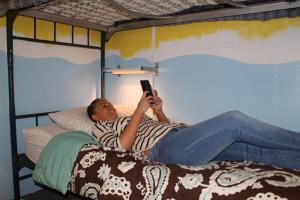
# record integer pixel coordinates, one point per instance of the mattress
(35, 139)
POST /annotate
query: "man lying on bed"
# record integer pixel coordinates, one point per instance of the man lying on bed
(229, 136)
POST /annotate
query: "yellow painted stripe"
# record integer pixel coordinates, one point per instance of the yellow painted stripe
(44, 30)
(24, 25)
(2, 21)
(63, 30)
(78, 31)
(95, 37)
(130, 42)
(245, 29)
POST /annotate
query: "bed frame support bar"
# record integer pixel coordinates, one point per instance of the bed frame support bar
(56, 43)
(10, 17)
(25, 177)
(103, 40)
(25, 162)
(34, 115)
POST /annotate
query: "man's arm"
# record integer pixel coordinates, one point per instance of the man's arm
(161, 116)
(128, 135)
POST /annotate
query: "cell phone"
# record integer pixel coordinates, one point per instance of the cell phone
(146, 87)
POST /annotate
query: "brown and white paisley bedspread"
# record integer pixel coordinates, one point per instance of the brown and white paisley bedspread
(100, 173)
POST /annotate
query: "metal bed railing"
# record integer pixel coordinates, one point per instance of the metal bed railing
(20, 161)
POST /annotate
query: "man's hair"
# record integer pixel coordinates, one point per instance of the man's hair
(91, 109)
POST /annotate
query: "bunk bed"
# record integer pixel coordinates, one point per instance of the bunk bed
(125, 15)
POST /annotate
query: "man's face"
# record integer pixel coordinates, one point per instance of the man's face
(104, 111)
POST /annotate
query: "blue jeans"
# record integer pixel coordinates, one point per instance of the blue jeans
(229, 136)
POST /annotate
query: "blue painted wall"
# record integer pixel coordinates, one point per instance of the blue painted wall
(198, 87)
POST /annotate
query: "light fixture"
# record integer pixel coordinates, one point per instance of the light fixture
(140, 70)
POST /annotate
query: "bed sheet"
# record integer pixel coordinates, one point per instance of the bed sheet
(36, 138)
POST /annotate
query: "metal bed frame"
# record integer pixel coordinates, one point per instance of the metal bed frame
(20, 161)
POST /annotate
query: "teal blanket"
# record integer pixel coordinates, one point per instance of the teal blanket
(55, 163)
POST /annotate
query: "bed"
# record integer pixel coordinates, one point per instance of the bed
(36, 138)
(71, 161)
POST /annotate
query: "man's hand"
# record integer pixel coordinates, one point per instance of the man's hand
(157, 106)
(144, 103)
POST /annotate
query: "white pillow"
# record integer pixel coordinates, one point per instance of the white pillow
(78, 120)
(73, 119)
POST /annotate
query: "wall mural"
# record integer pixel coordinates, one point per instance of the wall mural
(23, 26)
(245, 41)
(211, 67)
(32, 59)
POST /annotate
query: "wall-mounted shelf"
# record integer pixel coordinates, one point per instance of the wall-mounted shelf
(140, 70)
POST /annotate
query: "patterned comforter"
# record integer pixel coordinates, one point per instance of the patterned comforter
(101, 173)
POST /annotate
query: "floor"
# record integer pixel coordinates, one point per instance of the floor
(48, 195)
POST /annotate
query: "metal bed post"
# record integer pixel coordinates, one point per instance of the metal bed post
(20, 160)
(103, 40)
(10, 17)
